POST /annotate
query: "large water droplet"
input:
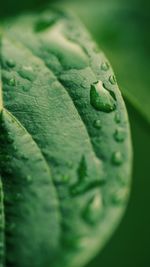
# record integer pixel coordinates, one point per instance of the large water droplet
(117, 158)
(100, 98)
(120, 134)
(105, 66)
(93, 210)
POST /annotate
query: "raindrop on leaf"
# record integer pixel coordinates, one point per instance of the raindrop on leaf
(92, 211)
(105, 66)
(120, 134)
(117, 158)
(101, 98)
(112, 79)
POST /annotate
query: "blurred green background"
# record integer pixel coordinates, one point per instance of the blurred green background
(121, 28)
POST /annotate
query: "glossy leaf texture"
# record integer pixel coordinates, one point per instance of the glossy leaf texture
(65, 143)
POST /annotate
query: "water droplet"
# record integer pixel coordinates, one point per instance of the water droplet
(117, 118)
(11, 63)
(93, 210)
(12, 82)
(117, 158)
(97, 124)
(112, 79)
(120, 135)
(100, 98)
(105, 66)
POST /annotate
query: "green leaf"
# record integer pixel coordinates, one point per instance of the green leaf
(31, 204)
(67, 109)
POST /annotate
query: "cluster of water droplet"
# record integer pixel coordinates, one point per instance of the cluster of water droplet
(25, 72)
(102, 100)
